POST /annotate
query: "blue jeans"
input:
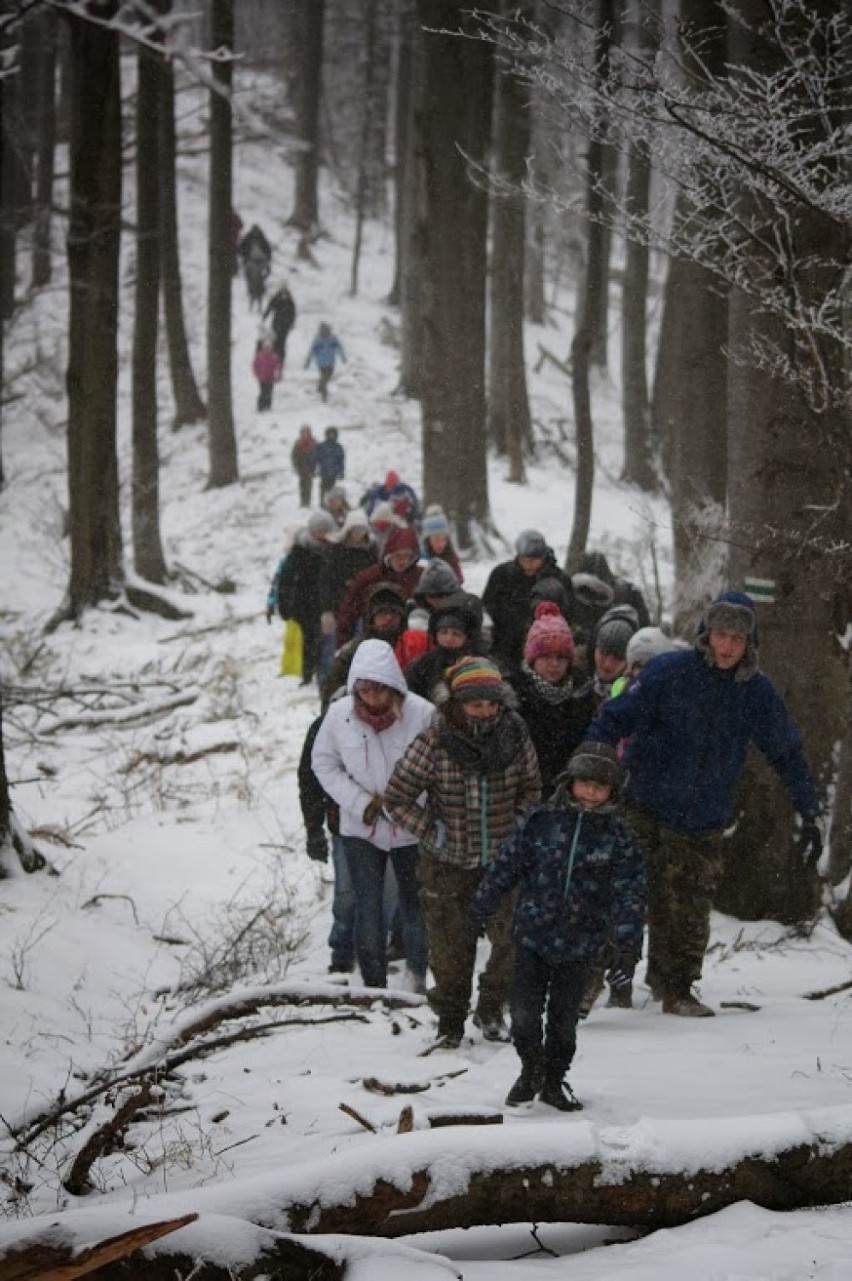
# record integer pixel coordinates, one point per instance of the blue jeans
(550, 992)
(341, 938)
(367, 868)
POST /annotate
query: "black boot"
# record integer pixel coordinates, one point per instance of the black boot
(529, 1082)
(557, 1093)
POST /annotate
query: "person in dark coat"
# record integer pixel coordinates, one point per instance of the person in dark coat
(352, 551)
(281, 313)
(624, 592)
(318, 809)
(385, 617)
(454, 630)
(298, 587)
(580, 879)
(688, 720)
(303, 457)
(398, 565)
(330, 461)
(556, 706)
(609, 648)
(256, 254)
(507, 595)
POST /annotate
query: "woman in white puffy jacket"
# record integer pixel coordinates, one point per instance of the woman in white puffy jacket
(362, 737)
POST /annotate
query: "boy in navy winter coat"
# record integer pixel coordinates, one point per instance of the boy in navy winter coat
(581, 880)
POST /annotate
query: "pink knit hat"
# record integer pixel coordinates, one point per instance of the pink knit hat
(549, 634)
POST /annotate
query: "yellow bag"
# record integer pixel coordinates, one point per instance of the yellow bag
(291, 654)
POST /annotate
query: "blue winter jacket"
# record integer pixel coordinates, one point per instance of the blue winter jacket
(581, 879)
(689, 727)
(325, 350)
(330, 461)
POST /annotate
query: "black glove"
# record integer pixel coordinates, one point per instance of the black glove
(620, 974)
(317, 845)
(809, 842)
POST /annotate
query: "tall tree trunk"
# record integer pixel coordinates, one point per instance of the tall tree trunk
(599, 247)
(147, 546)
(509, 425)
(416, 285)
(402, 119)
(46, 147)
(454, 123)
(589, 314)
(189, 407)
(94, 235)
(691, 375)
(787, 494)
(221, 435)
(8, 173)
(363, 178)
(309, 17)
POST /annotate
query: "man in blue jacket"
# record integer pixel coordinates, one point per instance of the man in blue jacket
(689, 720)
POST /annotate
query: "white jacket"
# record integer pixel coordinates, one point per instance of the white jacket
(352, 761)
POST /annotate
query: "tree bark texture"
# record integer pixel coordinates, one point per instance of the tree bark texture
(455, 123)
(45, 147)
(365, 175)
(148, 555)
(308, 24)
(788, 499)
(189, 407)
(604, 170)
(401, 89)
(220, 419)
(509, 424)
(415, 284)
(94, 234)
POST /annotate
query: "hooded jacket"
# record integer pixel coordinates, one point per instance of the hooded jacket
(352, 606)
(690, 726)
(352, 761)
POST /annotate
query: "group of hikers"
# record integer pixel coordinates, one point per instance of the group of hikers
(254, 252)
(539, 764)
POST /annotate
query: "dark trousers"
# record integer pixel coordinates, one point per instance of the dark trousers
(545, 1007)
(445, 892)
(264, 399)
(306, 482)
(683, 871)
(367, 868)
(341, 938)
(324, 379)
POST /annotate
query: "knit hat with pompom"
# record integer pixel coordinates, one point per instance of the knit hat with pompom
(549, 634)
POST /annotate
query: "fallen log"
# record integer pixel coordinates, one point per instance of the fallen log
(56, 1256)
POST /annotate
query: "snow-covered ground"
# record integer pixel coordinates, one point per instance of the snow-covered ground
(162, 860)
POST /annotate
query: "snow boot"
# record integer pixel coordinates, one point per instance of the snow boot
(529, 1082)
(492, 1026)
(450, 1033)
(682, 1001)
(557, 1093)
(620, 998)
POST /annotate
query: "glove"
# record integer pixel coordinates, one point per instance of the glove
(269, 613)
(809, 842)
(328, 625)
(438, 839)
(317, 845)
(373, 812)
(620, 975)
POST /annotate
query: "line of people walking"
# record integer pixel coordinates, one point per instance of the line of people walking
(534, 764)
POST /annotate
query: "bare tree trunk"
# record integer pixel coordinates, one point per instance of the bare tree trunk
(599, 246)
(148, 555)
(787, 498)
(416, 285)
(402, 119)
(509, 425)
(309, 16)
(189, 407)
(455, 119)
(46, 147)
(8, 177)
(221, 435)
(363, 177)
(94, 235)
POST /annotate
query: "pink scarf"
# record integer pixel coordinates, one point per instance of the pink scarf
(377, 720)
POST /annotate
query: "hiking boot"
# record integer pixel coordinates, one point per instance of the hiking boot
(528, 1083)
(687, 1005)
(620, 998)
(450, 1033)
(557, 1093)
(492, 1026)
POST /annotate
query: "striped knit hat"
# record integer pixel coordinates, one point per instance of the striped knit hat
(475, 677)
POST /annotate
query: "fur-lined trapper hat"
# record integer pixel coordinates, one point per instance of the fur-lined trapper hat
(731, 612)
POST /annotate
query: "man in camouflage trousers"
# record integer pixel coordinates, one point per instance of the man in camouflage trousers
(688, 721)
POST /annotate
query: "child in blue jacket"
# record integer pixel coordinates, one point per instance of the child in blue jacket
(325, 349)
(581, 880)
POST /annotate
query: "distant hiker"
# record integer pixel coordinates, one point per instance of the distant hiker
(298, 587)
(506, 597)
(266, 368)
(324, 351)
(580, 879)
(608, 645)
(330, 461)
(303, 457)
(437, 540)
(403, 501)
(256, 254)
(398, 565)
(336, 502)
(281, 313)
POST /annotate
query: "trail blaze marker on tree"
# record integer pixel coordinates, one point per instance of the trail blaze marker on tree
(761, 590)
